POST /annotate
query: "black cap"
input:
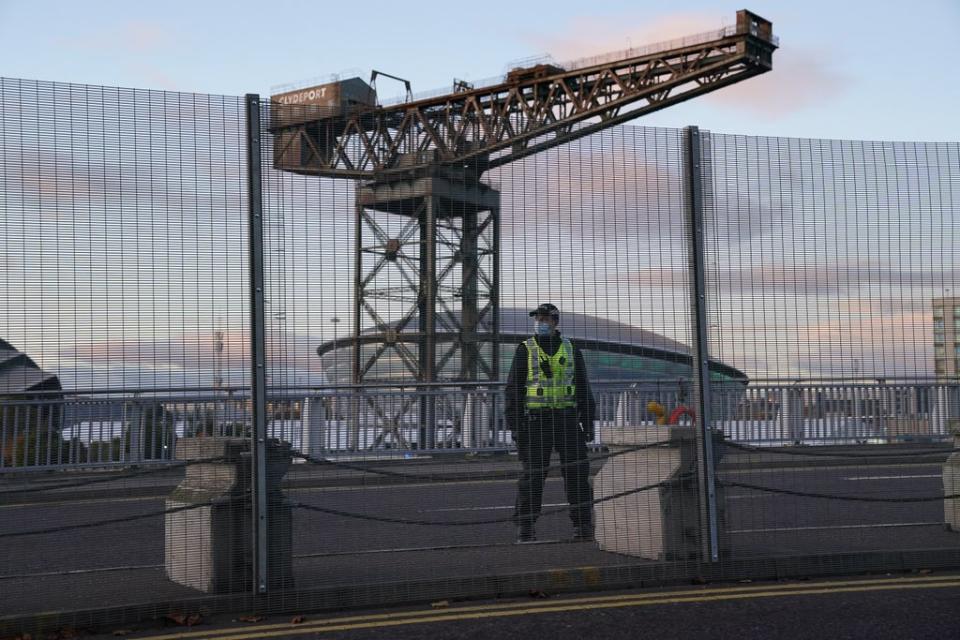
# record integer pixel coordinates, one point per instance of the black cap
(546, 309)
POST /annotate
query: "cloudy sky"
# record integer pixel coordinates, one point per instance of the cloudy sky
(824, 255)
(876, 71)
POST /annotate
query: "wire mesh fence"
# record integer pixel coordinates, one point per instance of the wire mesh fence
(123, 337)
(750, 372)
(827, 259)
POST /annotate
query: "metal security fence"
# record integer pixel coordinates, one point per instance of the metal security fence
(244, 366)
(833, 260)
(123, 329)
(117, 428)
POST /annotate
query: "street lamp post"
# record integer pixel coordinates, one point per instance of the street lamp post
(336, 356)
(335, 320)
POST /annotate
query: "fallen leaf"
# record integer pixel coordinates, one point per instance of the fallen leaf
(251, 618)
(176, 617)
(298, 620)
(184, 620)
(440, 604)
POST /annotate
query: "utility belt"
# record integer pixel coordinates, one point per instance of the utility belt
(550, 411)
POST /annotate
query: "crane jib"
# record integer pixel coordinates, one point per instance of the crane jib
(339, 130)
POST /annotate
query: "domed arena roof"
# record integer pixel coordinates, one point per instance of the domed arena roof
(587, 332)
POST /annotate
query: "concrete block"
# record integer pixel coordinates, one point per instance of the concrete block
(951, 486)
(657, 524)
(210, 547)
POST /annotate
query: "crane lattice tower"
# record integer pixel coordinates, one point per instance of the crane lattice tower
(422, 160)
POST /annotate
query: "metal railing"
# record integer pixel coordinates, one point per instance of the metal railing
(839, 412)
(114, 427)
(123, 428)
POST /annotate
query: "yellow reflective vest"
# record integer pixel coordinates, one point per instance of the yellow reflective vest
(557, 391)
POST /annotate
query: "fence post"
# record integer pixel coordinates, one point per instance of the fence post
(700, 350)
(257, 346)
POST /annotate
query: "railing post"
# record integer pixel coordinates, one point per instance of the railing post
(700, 351)
(133, 431)
(257, 346)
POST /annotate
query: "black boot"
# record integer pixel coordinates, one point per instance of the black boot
(583, 532)
(525, 532)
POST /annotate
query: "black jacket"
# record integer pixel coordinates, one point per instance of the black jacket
(516, 391)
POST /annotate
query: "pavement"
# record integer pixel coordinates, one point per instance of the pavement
(160, 480)
(340, 559)
(884, 607)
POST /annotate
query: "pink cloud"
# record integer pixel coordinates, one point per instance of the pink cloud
(155, 76)
(195, 351)
(143, 37)
(889, 345)
(134, 37)
(589, 35)
(887, 329)
(800, 78)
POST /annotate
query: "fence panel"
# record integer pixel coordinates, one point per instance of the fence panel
(832, 283)
(397, 306)
(404, 442)
(123, 348)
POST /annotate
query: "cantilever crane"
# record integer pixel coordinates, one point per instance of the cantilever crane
(531, 110)
(423, 159)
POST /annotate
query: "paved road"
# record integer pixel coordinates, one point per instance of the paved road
(879, 608)
(332, 550)
(749, 512)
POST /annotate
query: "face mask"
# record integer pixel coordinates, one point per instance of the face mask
(542, 328)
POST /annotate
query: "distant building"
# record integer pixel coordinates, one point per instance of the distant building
(28, 416)
(946, 337)
(622, 360)
(19, 375)
(612, 351)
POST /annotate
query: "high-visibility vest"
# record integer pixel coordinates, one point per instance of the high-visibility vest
(558, 391)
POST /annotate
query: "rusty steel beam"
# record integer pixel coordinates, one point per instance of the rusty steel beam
(526, 113)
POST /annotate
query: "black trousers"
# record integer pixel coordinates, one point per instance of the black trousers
(546, 431)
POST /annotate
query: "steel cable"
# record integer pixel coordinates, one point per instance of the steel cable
(828, 454)
(456, 478)
(142, 516)
(462, 523)
(808, 494)
(123, 476)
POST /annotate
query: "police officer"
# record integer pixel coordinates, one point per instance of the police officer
(549, 406)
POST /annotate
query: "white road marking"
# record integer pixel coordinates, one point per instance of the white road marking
(70, 572)
(453, 547)
(841, 526)
(510, 506)
(935, 475)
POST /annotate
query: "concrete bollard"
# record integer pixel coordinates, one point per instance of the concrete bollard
(314, 419)
(210, 548)
(951, 486)
(657, 524)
